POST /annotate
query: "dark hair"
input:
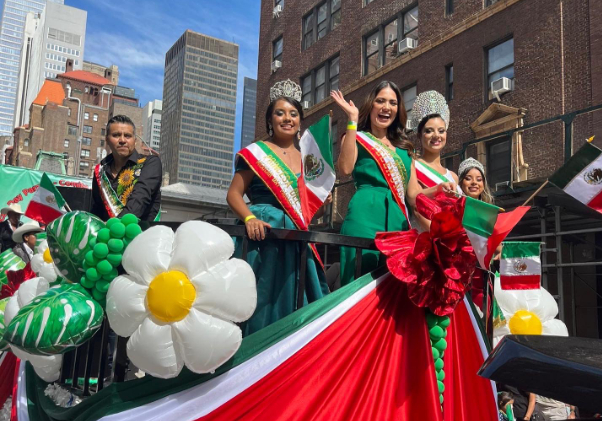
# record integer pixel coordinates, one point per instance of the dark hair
(395, 132)
(503, 398)
(27, 234)
(486, 195)
(424, 121)
(270, 110)
(124, 119)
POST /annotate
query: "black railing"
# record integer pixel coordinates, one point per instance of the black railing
(85, 369)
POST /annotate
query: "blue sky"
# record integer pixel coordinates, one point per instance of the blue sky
(135, 35)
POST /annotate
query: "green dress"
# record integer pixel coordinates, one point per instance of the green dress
(372, 209)
(276, 263)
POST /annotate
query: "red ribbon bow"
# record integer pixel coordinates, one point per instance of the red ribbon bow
(15, 279)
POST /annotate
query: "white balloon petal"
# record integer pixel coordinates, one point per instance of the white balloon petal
(126, 307)
(47, 367)
(11, 309)
(42, 247)
(47, 272)
(151, 349)
(205, 342)
(555, 327)
(37, 261)
(149, 253)
(31, 289)
(227, 290)
(198, 246)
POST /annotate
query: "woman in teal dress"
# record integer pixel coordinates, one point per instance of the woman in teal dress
(379, 203)
(267, 173)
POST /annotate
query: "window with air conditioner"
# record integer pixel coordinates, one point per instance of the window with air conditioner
(317, 84)
(500, 63)
(277, 53)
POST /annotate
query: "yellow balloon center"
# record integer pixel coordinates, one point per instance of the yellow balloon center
(47, 256)
(170, 296)
(525, 322)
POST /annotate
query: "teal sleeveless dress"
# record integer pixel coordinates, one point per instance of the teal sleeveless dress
(276, 263)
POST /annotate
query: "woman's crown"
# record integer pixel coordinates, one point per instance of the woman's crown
(286, 88)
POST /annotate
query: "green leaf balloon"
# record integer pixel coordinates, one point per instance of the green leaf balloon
(55, 322)
(3, 343)
(9, 261)
(68, 238)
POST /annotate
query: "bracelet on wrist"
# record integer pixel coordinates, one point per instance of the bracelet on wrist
(352, 125)
(248, 218)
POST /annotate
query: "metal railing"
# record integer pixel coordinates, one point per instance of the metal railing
(86, 369)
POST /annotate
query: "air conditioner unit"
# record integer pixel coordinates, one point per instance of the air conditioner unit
(306, 105)
(502, 185)
(277, 10)
(276, 64)
(409, 125)
(501, 86)
(406, 45)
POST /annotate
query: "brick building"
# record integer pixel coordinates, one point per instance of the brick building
(69, 116)
(457, 47)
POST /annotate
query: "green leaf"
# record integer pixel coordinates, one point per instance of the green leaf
(55, 322)
(3, 302)
(68, 240)
(9, 261)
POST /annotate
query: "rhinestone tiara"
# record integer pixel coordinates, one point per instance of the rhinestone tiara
(427, 103)
(286, 88)
(468, 164)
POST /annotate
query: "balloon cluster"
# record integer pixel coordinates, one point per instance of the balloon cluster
(103, 260)
(437, 326)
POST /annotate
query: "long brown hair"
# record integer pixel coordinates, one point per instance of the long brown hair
(395, 132)
(486, 195)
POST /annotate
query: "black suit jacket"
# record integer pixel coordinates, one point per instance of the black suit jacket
(6, 236)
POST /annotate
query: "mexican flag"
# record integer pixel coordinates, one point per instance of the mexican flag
(317, 170)
(520, 267)
(581, 176)
(487, 228)
(47, 204)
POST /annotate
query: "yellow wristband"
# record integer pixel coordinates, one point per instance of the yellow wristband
(352, 125)
(248, 218)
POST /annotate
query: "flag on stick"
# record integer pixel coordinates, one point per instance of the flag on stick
(47, 203)
(520, 266)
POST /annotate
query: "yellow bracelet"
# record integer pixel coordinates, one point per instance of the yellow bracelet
(248, 218)
(352, 125)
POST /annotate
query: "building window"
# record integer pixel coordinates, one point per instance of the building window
(409, 96)
(85, 153)
(322, 19)
(449, 7)
(86, 116)
(499, 161)
(380, 46)
(490, 2)
(500, 61)
(102, 143)
(320, 81)
(278, 3)
(86, 141)
(103, 131)
(66, 144)
(367, 2)
(84, 164)
(87, 129)
(26, 143)
(277, 50)
(449, 82)
(95, 117)
(72, 130)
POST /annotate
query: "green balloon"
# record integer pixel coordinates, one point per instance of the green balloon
(111, 222)
(114, 259)
(436, 333)
(102, 286)
(92, 274)
(440, 375)
(92, 242)
(111, 275)
(444, 321)
(441, 345)
(132, 230)
(128, 219)
(439, 364)
(441, 399)
(98, 295)
(431, 319)
(115, 245)
(440, 386)
(87, 283)
(117, 230)
(90, 259)
(104, 267)
(436, 353)
(104, 235)
(101, 250)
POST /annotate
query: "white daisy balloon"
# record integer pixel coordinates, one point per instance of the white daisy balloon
(527, 312)
(180, 298)
(47, 367)
(42, 264)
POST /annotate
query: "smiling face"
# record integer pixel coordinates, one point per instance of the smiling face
(285, 120)
(433, 136)
(473, 183)
(384, 109)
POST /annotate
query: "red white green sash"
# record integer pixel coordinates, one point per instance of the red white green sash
(390, 165)
(429, 177)
(281, 181)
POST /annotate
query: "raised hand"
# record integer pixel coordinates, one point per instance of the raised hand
(349, 107)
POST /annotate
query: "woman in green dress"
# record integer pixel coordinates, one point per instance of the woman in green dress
(379, 156)
(267, 173)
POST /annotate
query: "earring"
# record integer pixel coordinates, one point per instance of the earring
(270, 130)
(299, 135)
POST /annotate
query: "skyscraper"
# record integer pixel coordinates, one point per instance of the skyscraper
(151, 119)
(248, 112)
(11, 41)
(59, 35)
(199, 108)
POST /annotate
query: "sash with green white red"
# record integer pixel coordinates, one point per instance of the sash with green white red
(281, 181)
(390, 165)
(109, 198)
(427, 176)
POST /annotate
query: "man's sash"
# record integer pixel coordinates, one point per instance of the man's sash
(390, 165)
(429, 177)
(281, 181)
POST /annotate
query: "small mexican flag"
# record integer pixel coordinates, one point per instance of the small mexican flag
(487, 228)
(520, 267)
(581, 176)
(47, 204)
(317, 172)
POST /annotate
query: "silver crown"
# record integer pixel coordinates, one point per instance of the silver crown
(468, 164)
(286, 88)
(427, 103)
